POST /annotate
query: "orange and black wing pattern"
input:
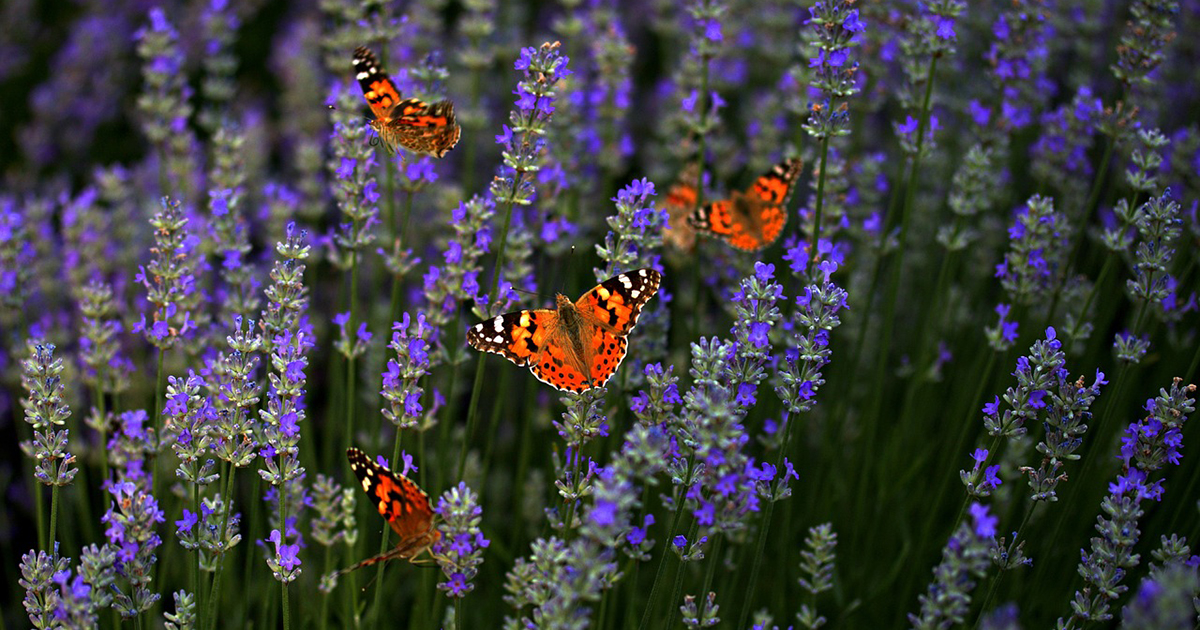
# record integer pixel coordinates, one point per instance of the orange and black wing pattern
(398, 500)
(409, 123)
(573, 353)
(753, 219)
(680, 202)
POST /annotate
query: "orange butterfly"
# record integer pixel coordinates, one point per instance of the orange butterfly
(753, 219)
(576, 345)
(410, 123)
(401, 502)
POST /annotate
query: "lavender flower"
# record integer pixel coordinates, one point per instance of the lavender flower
(287, 297)
(974, 188)
(816, 563)
(808, 350)
(964, 560)
(229, 229)
(285, 562)
(459, 552)
(1158, 226)
(168, 279)
(834, 28)
(189, 418)
(131, 521)
(401, 387)
(1067, 409)
(703, 615)
(1019, 56)
(41, 599)
(184, 617)
(458, 280)
(16, 256)
(106, 369)
(220, 24)
(45, 410)
(164, 104)
(334, 506)
(1164, 602)
(127, 449)
(1148, 31)
(1147, 447)
(1038, 244)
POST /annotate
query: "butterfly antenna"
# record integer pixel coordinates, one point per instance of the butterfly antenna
(533, 293)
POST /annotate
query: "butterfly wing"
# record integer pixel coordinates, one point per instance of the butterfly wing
(611, 310)
(422, 128)
(680, 202)
(519, 336)
(377, 86)
(401, 502)
(617, 302)
(754, 219)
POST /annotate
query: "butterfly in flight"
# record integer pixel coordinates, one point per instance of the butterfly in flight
(753, 219)
(410, 123)
(576, 345)
(401, 502)
(679, 203)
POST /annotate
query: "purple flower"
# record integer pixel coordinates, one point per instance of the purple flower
(985, 524)
(286, 555)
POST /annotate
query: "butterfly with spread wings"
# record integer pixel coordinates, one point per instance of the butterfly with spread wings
(576, 345)
(754, 219)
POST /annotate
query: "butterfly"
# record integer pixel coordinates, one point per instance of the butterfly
(401, 502)
(410, 123)
(753, 219)
(576, 345)
(679, 203)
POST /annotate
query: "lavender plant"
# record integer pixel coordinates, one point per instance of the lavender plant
(194, 218)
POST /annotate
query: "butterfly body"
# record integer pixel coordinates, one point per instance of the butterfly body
(753, 219)
(410, 123)
(576, 345)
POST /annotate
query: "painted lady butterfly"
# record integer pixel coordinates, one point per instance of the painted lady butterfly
(753, 219)
(577, 345)
(401, 502)
(410, 123)
(679, 203)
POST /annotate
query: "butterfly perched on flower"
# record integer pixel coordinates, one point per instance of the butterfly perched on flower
(753, 219)
(401, 502)
(410, 123)
(576, 345)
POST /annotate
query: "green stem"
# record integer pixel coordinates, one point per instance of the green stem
(160, 388)
(819, 204)
(196, 565)
(377, 609)
(102, 414)
(764, 525)
(995, 585)
(677, 587)
(40, 503)
(324, 620)
(287, 612)
(478, 386)
(893, 291)
(214, 598)
(352, 341)
(53, 513)
(662, 561)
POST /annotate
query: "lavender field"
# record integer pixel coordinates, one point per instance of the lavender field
(914, 285)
